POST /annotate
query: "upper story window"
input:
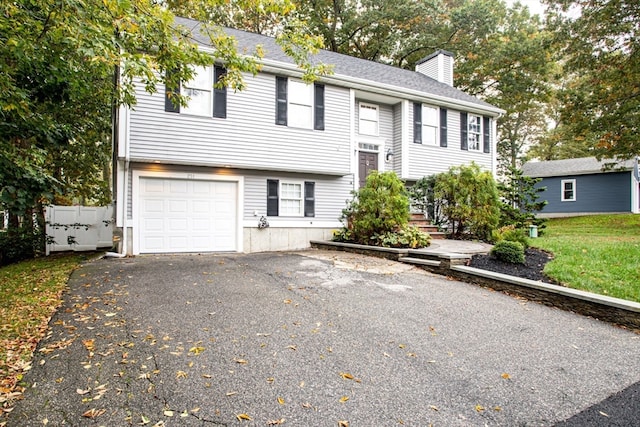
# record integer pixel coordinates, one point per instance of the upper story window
(299, 104)
(475, 133)
(205, 99)
(369, 118)
(568, 188)
(429, 125)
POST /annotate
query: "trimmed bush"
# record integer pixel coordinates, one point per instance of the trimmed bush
(511, 234)
(406, 237)
(508, 251)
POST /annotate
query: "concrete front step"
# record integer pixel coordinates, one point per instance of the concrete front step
(420, 261)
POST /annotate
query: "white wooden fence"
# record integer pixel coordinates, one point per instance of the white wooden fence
(79, 228)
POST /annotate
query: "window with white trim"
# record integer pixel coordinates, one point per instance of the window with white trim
(300, 105)
(290, 198)
(474, 135)
(568, 190)
(430, 123)
(199, 91)
(369, 117)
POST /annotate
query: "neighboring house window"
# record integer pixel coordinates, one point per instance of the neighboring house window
(471, 135)
(299, 104)
(568, 190)
(368, 123)
(290, 198)
(205, 99)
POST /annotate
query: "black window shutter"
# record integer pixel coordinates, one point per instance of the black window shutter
(170, 104)
(309, 199)
(417, 123)
(318, 120)
(219, 94)
(443, 127)
(463, 131)
(272, 197)
(486, 132)
(281, 101)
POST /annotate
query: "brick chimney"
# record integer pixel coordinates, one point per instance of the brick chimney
(438, 66)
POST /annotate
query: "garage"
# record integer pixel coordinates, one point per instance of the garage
(186, 215)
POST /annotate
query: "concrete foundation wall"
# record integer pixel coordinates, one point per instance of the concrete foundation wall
(282, 239)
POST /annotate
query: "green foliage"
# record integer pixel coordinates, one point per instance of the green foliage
(378, 214)
(512, 234)
(422, 197)
(20, 244)
(520, 200)
(407, 236)
(601, 53)
(509, 251)
(469, 201)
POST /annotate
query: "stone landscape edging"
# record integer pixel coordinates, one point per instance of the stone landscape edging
(613, 310)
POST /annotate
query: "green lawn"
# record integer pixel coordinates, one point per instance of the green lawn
(599, 254)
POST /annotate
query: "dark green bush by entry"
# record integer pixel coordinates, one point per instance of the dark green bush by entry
(508, 251)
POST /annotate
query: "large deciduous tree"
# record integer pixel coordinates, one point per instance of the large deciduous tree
(600, 42)
(64, 64)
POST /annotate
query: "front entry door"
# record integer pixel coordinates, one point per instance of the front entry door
(367, 162)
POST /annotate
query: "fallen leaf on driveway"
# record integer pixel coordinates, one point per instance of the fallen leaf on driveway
(93, 413)
(346, 375)
(240, 361)
(343, 399)
(343, 423)
(275, 422)
(479, 408)
(281, 400)
(505, 376)
(241, 417)
(181, 374)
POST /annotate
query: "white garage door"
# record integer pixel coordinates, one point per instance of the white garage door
(177, 215)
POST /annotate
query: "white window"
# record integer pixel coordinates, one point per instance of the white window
(475, 132)
(369, 118)
(430, 123)
(300, 112)
(199, 90)
(568, 190)
(291, 199)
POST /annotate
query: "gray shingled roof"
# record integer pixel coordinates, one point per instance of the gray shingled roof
(581, 166)
(347, 66)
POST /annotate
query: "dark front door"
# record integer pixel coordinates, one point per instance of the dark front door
(367, 162)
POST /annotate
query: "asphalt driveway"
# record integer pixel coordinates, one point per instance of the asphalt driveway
(318, 339)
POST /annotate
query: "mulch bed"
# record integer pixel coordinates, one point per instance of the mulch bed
(535, 260)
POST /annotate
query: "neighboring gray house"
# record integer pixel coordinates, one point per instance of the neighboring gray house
(201, 178)
(583, 186)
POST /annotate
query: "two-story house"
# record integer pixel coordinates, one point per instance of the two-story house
(282, 153)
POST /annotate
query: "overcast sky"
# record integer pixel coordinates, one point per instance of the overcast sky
(534, 6)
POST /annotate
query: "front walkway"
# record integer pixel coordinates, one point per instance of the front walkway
(467, 247)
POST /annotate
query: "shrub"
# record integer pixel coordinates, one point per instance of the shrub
(469, 201)
(508, 251)
(381, 206)
(20, 244)
(408, 236)
(512, 234)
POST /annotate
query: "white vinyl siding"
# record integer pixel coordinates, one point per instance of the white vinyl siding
(568, 190)
(200, 92)
(330, 195)
(425, 160)
(248, 138)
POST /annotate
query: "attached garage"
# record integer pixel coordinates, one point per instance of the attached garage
(185, 214)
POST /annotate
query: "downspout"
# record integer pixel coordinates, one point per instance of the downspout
(115, 138)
